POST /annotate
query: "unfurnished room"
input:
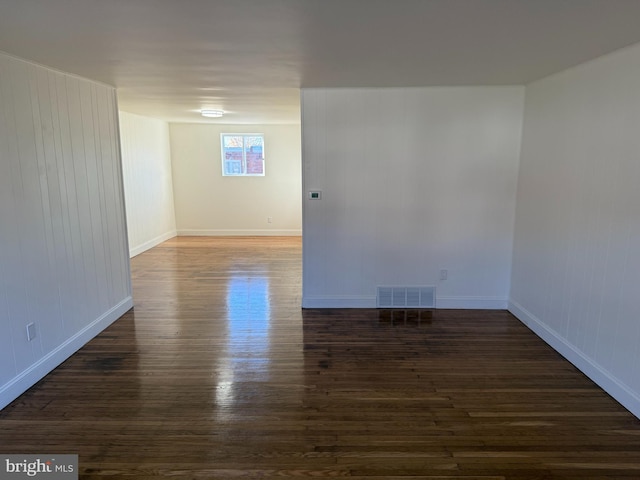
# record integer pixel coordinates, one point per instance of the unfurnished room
(355, 239)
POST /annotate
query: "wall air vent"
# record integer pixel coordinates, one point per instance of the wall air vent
(406, 297)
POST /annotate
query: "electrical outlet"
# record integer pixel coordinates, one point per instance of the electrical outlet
(269, 219)
(31, 331)
(444, 274)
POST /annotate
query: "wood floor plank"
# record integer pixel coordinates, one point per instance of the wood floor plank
(217, 373)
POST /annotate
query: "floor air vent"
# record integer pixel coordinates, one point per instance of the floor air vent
(406, 297)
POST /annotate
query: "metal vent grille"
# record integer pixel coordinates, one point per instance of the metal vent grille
(406, 297)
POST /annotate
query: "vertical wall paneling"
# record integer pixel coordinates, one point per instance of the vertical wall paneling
(86, 258)
(576, 266)
(113, 173)
(209, 204)
(13, 274)
(50, 333)
(7, 212)
(63, 259)
(148, 181)
(118, 186)
(428, 185)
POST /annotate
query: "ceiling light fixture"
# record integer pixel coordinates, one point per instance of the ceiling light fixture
(212, 113)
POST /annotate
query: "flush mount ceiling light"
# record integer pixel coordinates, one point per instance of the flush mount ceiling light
(212, 113)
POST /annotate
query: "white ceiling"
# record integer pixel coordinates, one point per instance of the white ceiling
(169, 58)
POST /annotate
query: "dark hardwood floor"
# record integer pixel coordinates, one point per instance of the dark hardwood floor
(218, 374)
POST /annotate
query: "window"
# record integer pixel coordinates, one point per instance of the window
(242, 154)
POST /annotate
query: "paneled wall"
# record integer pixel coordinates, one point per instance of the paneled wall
(64, 264)
(148, 185)
(576, 267)
(209, 204)
(413, 181)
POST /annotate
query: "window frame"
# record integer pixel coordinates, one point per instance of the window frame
(244, 155)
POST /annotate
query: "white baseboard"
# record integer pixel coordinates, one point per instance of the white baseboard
(472, 303)
(240, 233)
(605, 379)
(356, 301)
(151, 243)
(32, 375)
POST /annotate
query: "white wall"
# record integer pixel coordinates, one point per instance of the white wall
(207, 203)
(576, 267)
(64, 262)
(148, 185)
(413, 180)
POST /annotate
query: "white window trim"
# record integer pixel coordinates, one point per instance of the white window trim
(222, 155)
